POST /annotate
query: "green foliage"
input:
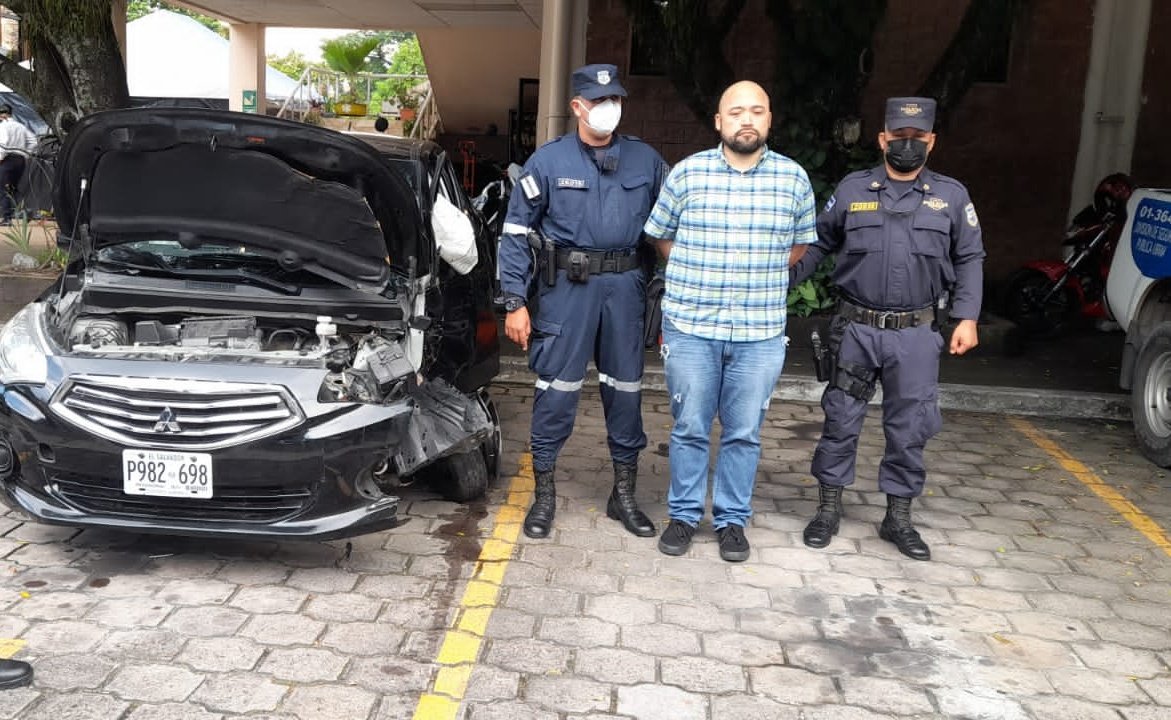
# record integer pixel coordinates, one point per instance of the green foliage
(137, 8)
(292, 64)
(347, 54)
(815, 293)
(19, 236)
(406, 60)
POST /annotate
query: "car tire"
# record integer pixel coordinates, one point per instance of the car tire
(1150, 402)
(461, 478)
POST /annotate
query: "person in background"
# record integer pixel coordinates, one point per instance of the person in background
(16, 142)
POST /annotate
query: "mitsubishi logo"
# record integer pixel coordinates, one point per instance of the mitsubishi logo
(167, 422)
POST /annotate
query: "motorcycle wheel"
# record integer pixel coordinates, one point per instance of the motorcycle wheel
(1150, 403)
(1023, 306)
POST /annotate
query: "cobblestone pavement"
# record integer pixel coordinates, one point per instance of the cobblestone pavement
(1043, 600)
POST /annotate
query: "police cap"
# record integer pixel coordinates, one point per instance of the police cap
(597, 81)
(910, 112)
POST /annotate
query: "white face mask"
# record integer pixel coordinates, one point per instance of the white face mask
(604, 117)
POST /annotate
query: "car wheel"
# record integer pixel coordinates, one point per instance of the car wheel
(493, 447)
(1150, 398)
(461, 478)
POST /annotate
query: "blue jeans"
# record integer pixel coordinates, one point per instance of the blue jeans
(735, 379)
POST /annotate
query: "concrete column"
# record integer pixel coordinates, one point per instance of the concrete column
(553, 98)
(1113, 95)
(118, 15)
(246, 67)
(578, 25)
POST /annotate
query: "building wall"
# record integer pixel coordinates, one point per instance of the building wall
(1152, 146)
(1013, 144)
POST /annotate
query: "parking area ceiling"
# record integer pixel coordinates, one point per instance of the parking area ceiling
(376, 14)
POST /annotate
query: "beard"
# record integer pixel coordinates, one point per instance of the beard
(744, 142)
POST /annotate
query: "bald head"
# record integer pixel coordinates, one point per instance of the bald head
(744, 119)
(743, 94)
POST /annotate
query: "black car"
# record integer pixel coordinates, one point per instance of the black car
(255, 335)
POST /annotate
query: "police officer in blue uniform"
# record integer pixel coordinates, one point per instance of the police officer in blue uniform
(906, 239)
(571, 246)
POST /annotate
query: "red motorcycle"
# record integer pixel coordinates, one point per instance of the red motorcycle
(1045, 296)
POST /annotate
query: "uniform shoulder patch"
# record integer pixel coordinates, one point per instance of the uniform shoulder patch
(829, 204)
(528, 184)
(970, 214)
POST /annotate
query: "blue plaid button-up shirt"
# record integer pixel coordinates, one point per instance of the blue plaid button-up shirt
(728, 274)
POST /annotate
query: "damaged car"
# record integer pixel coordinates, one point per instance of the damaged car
(265, 329)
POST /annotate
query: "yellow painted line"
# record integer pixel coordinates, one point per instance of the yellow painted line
(9, 647)
(465, 636)
(1136, 517)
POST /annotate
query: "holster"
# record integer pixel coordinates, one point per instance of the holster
(578, 270)
(546, 257)
(824, 360)
(854, 380)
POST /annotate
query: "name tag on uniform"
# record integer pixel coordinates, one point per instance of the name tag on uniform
(572, 183)
(863, 206)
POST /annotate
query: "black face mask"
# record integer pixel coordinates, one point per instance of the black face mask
(907, 154)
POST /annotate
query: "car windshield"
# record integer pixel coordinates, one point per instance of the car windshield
(213, 259)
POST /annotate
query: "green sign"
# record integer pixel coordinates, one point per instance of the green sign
(249, 101)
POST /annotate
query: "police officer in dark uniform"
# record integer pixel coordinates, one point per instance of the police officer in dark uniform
(571, 246)
(906, 240)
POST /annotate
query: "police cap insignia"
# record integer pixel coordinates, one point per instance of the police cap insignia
(910, 112)
(597, 81)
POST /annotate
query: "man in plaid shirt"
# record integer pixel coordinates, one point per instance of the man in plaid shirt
(731, 221)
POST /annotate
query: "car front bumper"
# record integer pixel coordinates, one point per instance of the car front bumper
(313, 481)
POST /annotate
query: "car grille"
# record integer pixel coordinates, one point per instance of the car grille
(188, 414)
(101, 496)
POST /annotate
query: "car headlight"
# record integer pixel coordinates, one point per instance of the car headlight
(23, 350)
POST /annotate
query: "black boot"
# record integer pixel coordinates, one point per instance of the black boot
(622, 506)
(824, 525)
(897, 528)
(540, 518)
(14, 674)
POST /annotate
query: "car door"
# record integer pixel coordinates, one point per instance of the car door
(469, 354)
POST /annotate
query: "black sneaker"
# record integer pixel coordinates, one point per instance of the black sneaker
(676, 538)
(733, 544)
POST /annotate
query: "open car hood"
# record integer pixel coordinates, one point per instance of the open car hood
(314, 198)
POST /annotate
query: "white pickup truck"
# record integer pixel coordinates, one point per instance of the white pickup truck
(1138, 290)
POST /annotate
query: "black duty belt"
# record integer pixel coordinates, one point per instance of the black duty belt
(886, 319)
(597, 261)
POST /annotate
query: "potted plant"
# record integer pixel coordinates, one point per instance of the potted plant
(347, 55)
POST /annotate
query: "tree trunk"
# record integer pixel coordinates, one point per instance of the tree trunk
(986, 28)
(693, 33)
(77, 62)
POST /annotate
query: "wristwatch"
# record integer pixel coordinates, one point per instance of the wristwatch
(513, 303)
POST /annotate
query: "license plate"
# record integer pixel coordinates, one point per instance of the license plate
(166, 473)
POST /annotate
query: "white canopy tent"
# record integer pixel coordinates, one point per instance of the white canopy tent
(173, 56)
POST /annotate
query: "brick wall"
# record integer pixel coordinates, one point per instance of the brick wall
(1013, 144)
